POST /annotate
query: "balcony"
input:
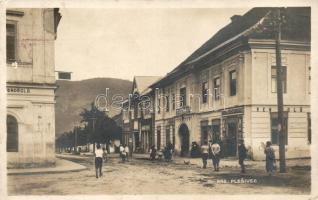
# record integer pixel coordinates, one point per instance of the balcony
(183, 110)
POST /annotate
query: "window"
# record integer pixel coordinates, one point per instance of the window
(274, 79)
(173, 101)
(216, 89)
(232, 83)
(158, 138)
(158, 106)
(204, 131)
(167, 103)
(216, 123)
(274, 128)
(309, 80)
(309, 128)
(183, 97)
(12, 134)
(204, 92)
(168, 140)
(11, 42)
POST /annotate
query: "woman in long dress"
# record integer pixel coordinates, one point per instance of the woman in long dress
(270, 158)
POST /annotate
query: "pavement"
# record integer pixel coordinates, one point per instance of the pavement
(61, 165)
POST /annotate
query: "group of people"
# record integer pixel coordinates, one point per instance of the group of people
(124, 152)
(213, 150)
(167, 152)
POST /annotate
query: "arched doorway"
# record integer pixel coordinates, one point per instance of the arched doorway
(184, 139)
(12, 134)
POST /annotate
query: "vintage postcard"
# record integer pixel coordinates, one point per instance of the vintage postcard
(154, 99)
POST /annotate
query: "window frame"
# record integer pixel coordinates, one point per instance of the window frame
(204, 92)
(216, 90)
(15, 24)
(233, 88)
(274, 77)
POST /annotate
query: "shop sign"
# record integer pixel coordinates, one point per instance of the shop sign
(19, 90)
(232, 111)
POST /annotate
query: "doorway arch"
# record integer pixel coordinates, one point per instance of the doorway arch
(184, 139)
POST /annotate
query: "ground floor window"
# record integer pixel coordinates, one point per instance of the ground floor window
(168, 140)
(309, 128)
(204, 131)
(12, 134)
(216, 134)
(275, 128)
(158, 138)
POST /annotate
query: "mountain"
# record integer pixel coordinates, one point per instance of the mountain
(73, 96)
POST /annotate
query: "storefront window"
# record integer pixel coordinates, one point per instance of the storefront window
(204, 131)
(168, 140)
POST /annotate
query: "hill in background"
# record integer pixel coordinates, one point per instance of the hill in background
(73, 96)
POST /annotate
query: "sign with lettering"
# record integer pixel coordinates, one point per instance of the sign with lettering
(20, 90)
(239, 110)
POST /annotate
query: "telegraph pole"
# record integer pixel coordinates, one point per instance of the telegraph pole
(280, 103)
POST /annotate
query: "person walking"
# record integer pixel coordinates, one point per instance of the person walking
(216, 149)
(204, 153)
(98, 161)
(104, 154)
(242, 155)
(270, 158)
(126, 149)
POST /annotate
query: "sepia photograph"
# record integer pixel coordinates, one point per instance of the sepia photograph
(158, 100)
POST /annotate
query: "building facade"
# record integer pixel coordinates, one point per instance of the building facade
(138, 115)
(226, 90)
(30, 86)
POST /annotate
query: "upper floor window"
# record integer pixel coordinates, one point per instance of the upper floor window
(183, 97)
(274, 78)
(173, 101)
(232, 83)
(11, 42)
(167, 103)
(158, 105)
(204, 92)
(216, 88)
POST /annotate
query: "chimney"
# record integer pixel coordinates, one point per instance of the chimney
(234, 18)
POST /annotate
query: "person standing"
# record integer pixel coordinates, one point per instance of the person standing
(216, 149)
(153, 153)
(270, 158)
(126, 149)
(204, 153)
(98, 161)
(242, 155)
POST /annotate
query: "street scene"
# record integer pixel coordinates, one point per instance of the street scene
(142, 176)
(142, 101)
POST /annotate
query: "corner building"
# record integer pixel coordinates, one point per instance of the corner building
(226, 89)
(31, 34)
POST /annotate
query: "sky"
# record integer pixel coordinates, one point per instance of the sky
(123, 43)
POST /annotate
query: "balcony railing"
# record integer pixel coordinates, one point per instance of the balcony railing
(183, 110)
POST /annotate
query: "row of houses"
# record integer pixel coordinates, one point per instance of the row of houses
(226, 90)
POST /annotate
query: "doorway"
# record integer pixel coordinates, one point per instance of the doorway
(185, 140)
(232, 139)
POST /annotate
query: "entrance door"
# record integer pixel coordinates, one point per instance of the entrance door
(184, 138)
(232, 139)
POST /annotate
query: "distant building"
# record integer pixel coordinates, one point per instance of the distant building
(226, 89)
(30, 86)
(138, 115)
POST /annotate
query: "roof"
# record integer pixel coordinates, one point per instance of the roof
(297, 18)
(141, 83)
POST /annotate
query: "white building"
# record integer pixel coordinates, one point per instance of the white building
(227, 88)
(31, 34)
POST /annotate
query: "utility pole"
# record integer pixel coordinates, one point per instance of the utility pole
(279, 85)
